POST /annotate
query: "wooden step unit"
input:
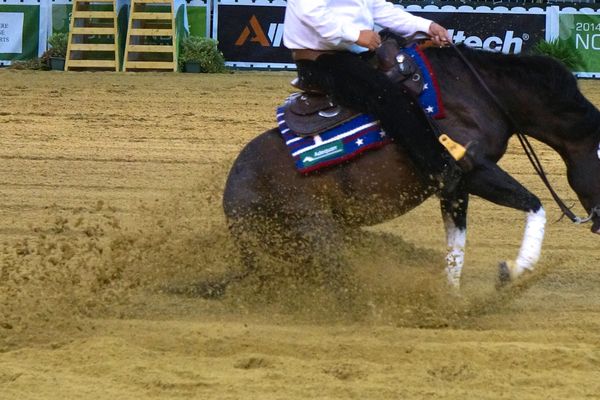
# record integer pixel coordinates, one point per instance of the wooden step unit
(93, 36)
(151, 36)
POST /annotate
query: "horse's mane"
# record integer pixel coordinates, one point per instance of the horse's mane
(545, 74)
(546, 78)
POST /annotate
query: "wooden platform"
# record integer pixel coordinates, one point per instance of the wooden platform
(93, 36)
(151, 36)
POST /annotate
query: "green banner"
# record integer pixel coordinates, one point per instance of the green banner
(582, 32)
(61, 17)
(19, 27)
(197, 21)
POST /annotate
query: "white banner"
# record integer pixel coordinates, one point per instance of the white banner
(11, 33)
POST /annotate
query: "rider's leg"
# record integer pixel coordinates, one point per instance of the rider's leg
(351, 81)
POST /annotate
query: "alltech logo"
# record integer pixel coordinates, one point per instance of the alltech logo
(254, 33)
(509, 43)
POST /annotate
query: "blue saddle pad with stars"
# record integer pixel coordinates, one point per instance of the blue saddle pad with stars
(358, 134)
(334, 146)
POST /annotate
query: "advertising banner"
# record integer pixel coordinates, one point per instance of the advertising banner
(496, 29)
(581, 31)
(61, 15)
(250, 32)
(11, 32)
(23, 29)
(198, 13)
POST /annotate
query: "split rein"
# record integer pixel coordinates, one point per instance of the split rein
(528, 148)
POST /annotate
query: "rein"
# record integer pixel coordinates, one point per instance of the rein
(528, 148)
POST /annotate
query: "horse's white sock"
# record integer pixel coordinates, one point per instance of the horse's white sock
(531, 247)
(455, 258)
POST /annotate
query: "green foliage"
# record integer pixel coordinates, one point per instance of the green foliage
(562, 52)
(203, 51)
(58, 42)
(32, 64)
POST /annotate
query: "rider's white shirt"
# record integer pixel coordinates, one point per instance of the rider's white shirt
(336, 24)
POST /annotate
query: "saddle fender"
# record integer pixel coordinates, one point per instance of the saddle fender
(309, 114)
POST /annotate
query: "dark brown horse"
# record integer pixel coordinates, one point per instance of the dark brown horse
(266, 199)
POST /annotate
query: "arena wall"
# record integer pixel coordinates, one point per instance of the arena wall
(250, 31)
(26, 25)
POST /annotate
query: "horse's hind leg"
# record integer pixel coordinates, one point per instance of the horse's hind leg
(494, 184)
(319, 239)
(454, 213)
(214, 287)
(310, 244)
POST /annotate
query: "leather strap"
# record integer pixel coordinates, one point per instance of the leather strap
(309, 54)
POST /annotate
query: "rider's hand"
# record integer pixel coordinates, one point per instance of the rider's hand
(369, 39)
(439, 35)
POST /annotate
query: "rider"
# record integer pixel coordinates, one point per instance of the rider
(330, 41)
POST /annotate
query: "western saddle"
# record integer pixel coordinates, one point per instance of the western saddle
(311, 112)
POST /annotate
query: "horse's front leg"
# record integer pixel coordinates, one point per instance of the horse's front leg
(454, 214)
(492, 183)
(531, 247)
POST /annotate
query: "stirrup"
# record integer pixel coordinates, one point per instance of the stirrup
(456, 150)
(463, 155)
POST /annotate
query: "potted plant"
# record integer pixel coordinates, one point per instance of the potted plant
(58, 50)
(562, 52)
(200, 55)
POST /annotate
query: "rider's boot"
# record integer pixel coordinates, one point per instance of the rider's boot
(455, 167)
(471, 157)
(450, 177)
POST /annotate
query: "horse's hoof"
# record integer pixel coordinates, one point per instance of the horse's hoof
(505, 275)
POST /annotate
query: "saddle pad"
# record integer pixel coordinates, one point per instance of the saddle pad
(337, 145)
(430, 98)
